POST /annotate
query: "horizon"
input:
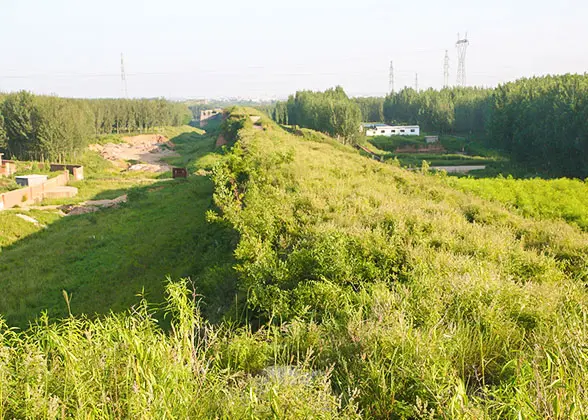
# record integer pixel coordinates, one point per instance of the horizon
(266, 51)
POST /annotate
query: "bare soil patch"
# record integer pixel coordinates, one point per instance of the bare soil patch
(92, 206)
(145, 150)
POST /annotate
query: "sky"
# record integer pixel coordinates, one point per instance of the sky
(264, 49)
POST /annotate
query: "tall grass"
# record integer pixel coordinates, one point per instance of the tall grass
(363, 290)
(125, 366)
(425, 300)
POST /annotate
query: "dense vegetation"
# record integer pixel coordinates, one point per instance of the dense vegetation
(330, 112)
(461, 110)
(565, 199)
(361, 290)
(422, 299)
(50, 128)
(372, 108)
(542, 122)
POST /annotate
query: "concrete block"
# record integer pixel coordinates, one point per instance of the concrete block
(30, 180)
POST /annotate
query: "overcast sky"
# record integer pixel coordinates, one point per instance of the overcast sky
(270, 48)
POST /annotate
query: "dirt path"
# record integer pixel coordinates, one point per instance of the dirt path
(462, 169)
(139, 153)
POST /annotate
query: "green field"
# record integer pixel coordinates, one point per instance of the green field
(323, 284)
(105, 259)
(565, 199)
(459, 151)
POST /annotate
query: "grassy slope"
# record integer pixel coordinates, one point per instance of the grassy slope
(424, 293)
(391, 293)
(104, 259)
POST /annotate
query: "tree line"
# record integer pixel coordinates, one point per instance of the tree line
(331, 112)
(448, 110)
(541, 121)
(35, 127)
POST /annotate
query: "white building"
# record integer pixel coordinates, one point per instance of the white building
(373, 129)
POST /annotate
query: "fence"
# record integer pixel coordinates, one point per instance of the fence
(34, 194)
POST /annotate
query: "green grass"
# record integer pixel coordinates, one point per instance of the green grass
(8, 184)
(334, 287)
(565, 199)
(104, 259)
(429, 301)
(13, 228)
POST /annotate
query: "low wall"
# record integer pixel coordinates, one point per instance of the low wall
(76, 170)
(32, 195)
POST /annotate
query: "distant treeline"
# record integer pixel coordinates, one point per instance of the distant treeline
(36, 127)
(196, 106)
(330, 112)
(447, 110)
(542, 122)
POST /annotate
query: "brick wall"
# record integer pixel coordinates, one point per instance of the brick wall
(32, 195)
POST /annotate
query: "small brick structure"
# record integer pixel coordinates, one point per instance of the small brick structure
(7, 167)
(179, 173)
(76, 170)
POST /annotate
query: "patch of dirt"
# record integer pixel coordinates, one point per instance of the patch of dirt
(146, 149)
(145, 167)
(92, 206)
(220, 141)
(28, 219)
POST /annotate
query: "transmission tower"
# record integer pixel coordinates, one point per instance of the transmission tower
(416, 82)
(123, 77)
(446, 70)
(391, 80)
(462, 46)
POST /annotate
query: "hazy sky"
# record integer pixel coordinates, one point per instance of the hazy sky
(270, 48)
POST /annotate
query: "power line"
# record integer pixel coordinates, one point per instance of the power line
(391, 80)
(462, 46)
(446, 70)
(123, 76)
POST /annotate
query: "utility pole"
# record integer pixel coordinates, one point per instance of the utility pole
(416, 82)
(391, 79)
(446, 70)
(123, 77)
(462, 46)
